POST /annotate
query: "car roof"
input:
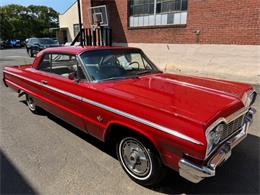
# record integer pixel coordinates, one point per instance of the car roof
(75, 50)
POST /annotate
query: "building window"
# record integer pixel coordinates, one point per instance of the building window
(75, 29)
(157, 12)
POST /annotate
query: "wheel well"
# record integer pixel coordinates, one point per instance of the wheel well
(21, 93)
(116, 131)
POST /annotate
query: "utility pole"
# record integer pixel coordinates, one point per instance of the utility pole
(80, 23)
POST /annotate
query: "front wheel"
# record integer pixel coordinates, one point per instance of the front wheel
(140, 161)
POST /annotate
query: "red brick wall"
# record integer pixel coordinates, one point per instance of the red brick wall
(85, 5)
(219, 22)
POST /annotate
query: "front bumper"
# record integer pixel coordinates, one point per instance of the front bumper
(195, 173)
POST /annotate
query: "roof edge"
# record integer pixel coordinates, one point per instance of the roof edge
(68, 8)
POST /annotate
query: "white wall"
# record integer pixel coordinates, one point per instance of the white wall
(231, 62)
(68, 18)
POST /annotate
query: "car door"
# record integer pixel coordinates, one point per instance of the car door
(58, 74)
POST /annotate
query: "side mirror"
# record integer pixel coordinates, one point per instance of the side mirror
(72, 76)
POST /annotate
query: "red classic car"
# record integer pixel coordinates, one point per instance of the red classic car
(155, 120)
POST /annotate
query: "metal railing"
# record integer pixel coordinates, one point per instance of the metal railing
(95, 37)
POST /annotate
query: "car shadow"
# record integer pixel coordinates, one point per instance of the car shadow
(6, 59)
(238, 175)
(83, 135)
(11, 181)
(40, 111)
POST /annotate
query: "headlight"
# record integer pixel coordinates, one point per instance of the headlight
(214, 136)
(249, 98)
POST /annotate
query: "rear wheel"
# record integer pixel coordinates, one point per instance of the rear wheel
(31, 104)
(140, 161)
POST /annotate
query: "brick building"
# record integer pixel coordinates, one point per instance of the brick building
(181, 21)
(203, 37)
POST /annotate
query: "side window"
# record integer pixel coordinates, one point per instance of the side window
(62, 64)
(33, 41)
(45, 64)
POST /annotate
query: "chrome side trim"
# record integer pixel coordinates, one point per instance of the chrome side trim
(207, 89)
(114, 110)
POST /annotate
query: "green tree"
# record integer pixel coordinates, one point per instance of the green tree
(20, 22)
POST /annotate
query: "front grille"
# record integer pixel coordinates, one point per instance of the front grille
(233, 126)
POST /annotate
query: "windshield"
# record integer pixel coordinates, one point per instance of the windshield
(47, 41)
(111, 64)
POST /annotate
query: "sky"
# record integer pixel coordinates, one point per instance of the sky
(59, 5)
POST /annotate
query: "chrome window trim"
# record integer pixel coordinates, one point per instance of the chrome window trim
(88, 77)
(113, 110)
(144, 57)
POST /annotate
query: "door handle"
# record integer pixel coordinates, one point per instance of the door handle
(44, 82)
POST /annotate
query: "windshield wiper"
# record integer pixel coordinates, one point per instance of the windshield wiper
(144, 72)
(112, 78)
(117, 78)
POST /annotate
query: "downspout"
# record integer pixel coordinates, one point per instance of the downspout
(80, 23)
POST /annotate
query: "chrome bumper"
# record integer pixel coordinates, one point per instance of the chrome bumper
(196, 173)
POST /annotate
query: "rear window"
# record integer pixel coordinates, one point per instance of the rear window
(34, 40)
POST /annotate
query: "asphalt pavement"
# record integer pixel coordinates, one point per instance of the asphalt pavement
(41, 154)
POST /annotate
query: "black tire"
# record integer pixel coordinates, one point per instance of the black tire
(152, 171)
(31, 105)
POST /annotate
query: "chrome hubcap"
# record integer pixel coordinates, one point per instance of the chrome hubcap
(135, 157)
(30, 103)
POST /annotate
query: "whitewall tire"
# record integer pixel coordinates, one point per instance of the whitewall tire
(31, 104)
(140, 161)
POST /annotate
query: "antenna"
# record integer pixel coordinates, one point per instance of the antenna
(80, 23)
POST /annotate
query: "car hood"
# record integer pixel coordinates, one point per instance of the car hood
(198, 99)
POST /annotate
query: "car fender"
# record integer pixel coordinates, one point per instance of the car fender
(134, 129)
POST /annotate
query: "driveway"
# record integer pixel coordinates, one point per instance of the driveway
(42, 154)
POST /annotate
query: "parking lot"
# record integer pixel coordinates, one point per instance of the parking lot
(42, 154)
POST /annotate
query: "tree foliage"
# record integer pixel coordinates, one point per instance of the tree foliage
(20, 22)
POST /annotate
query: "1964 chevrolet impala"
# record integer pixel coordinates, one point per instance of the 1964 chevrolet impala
(154, 119)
